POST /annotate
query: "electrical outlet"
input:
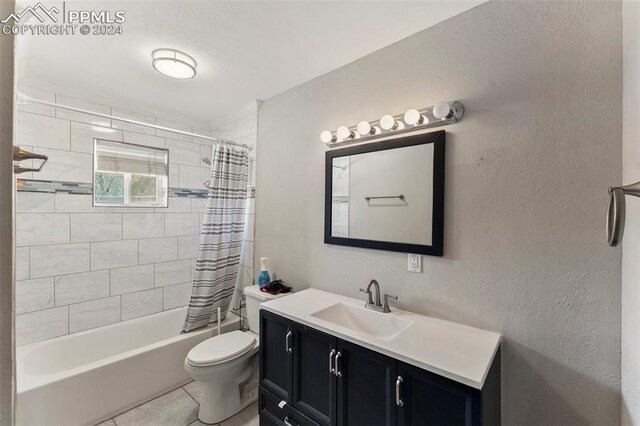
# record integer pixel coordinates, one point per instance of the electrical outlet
(415, 263)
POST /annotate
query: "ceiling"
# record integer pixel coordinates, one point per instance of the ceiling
(245, 50)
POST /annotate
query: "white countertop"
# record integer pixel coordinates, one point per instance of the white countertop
(452, 350)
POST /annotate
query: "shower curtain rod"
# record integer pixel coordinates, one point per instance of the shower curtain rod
(24, 99)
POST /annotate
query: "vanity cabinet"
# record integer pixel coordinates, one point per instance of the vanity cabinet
(308, 377)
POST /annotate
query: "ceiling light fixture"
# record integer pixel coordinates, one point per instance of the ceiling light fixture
(173, 63)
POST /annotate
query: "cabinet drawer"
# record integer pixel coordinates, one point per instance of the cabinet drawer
(271, 414)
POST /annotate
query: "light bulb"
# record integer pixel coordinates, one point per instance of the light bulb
(344, 133)
(365, 129)
(327, 137)
(387, 122)
(414, 118)
(441, 110)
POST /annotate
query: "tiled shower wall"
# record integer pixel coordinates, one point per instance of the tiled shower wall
(80, 267)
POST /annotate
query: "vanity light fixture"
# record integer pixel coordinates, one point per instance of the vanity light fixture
(442, 110)
(366, 129)
(327, 137)
(345, 133)
(441, 114)
(413, 117)
(173, 63)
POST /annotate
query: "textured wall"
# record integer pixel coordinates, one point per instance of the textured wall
(527, 171)
(631, 242)
(80, 267)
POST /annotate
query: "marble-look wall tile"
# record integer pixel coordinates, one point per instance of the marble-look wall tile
(95, 313)
(168, 273)
(34, 295)
(247, 125)
(82, 136)
(193, 176)
(34, 202)
(198, 205)
(40, 94)
(86, 227)
(154, 250)
(82, 104)
(76, 203)
(147, 302)
(22, 263)
(142, 225)
(181, 152)
(176, 295)
(176, 205)
(41, 325)
(47, 261)
(173, 125)
(181, 224)
(76, 288)
(114, 254)
(42, 132)
(39, 229)
(188, 247)
(123, 113)
(142, 139)
(131, 279)
(67, 166)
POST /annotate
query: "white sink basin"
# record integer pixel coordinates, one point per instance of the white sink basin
(383, 326)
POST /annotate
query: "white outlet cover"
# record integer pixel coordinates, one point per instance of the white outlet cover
(414, 263)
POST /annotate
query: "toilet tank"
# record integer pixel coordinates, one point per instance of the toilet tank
(254, 298)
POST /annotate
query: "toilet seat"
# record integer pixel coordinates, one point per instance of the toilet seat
(219, 349)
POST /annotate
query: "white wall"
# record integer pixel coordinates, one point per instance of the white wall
(631, 241)
(527, 172)
(80, 267)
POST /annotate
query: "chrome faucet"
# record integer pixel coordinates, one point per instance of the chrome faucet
(377, 305)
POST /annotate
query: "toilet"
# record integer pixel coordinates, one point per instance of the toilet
(227, 365)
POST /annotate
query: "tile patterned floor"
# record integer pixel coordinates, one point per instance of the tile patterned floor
(178, 408)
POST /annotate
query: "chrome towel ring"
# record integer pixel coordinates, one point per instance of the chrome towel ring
(616, 211)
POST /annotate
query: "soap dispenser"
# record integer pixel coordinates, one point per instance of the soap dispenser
(263, 277)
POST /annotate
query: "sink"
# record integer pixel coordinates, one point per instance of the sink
(383, 326)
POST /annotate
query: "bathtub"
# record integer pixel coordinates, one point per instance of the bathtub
(87, 377)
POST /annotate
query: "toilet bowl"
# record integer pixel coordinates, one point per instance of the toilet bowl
(227, 365)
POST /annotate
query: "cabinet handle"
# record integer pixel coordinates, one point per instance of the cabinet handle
(287, 345)
(338, 373)
(287, 422)
(331, 354)
(399, 402)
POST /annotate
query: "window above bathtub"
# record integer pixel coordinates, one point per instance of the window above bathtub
(129, 175)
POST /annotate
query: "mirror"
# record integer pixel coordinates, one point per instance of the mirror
(130, 175)
(387, 195)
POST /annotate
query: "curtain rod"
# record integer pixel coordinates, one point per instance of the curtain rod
(24, 99)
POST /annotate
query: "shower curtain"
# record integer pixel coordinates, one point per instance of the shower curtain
(220, 237)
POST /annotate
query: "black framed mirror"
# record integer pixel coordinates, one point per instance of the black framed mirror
(387, 195)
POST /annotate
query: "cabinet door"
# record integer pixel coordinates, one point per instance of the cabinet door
(275, 354)
(365, 390)
(313, 391)
(431, 400)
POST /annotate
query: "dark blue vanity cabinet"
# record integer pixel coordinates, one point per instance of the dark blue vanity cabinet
(308, 377)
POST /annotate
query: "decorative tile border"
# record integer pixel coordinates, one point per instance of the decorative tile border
(83, 188)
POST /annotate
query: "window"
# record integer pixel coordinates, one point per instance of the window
(129, 175)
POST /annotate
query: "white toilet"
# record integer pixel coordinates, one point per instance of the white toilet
(227, 365)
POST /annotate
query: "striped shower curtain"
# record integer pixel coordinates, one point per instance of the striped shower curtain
(220, 237)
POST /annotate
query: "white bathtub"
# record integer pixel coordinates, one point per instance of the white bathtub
(87, 377)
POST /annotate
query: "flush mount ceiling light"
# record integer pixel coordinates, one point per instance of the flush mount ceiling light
(174, 63)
